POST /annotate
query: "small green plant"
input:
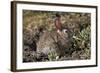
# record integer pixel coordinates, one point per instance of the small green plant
(82, 42)
(52, 56)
